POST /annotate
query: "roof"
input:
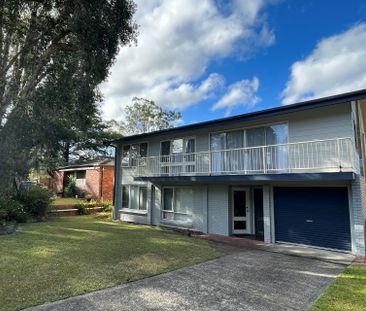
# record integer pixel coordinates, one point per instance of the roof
(104, 161)
(301, 106)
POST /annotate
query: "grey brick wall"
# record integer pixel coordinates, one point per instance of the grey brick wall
(155, 207)
(358, 214)
(267, 214)
(199, 212)
(130, 217)
(218, 209)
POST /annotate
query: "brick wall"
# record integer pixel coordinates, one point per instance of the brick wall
(107, 183)
(358, 214)
(92, 184)
(57, 182)
(99, 189)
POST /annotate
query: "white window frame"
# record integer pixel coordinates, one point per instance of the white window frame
(185, 138)
(285, 122)
(129, 155)
(129, 199)
(189, 215)
(166, 160)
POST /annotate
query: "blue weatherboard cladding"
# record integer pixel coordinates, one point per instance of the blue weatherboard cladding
(317, 216)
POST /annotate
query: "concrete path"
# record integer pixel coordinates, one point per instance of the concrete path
(250, 280)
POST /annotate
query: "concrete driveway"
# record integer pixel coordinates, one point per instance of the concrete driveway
(251, 279)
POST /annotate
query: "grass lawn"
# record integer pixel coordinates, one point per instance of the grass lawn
(66, 201)
(73, 255)
(347, 293)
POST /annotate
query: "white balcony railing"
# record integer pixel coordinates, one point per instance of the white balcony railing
(332, 155)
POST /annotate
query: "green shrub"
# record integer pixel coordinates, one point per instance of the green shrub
(107, 206)
(36, 200)
(3, 217)
(93, 203)
(16, 211)
(70, 190)
(13, 209)
(81, 208)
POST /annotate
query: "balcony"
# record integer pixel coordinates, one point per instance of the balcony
(317, 156)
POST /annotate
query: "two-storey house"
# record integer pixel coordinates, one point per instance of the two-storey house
(293, 174)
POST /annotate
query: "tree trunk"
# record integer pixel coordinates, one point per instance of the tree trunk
(67, 153)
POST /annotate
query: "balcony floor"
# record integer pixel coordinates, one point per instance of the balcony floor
(254, 177)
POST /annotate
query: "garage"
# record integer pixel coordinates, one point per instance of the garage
(316, 216)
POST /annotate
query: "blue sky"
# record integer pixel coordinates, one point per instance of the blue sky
(220, 58)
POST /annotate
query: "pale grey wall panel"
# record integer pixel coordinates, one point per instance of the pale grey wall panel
(199, 211)
(218, 209)
(141, 219)
(325, 123)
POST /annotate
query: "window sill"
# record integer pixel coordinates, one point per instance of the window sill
(133, 211)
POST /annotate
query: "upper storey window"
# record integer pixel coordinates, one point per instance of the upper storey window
(242, 150)
(131, 153)
(177, 156)
(252, 137)
(177, 146)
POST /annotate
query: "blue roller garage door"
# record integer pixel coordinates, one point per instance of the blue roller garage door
(317, 216)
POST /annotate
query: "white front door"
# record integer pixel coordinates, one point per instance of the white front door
(241, 211)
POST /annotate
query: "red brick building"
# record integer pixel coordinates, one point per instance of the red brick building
(95, 178)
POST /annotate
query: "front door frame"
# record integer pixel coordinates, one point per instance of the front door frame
(248, 217)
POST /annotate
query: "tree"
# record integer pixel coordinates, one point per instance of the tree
(68, 119)
(34, 32)
(54, 54)
(145, 116)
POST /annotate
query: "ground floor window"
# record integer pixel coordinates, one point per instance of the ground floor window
(177, 203)
(134, 197)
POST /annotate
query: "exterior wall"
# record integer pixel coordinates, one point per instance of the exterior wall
(200, 208)
(57, 182)
(323, 123)
(92, 182)
(107, 183)
(140, 218)
(94, 185)
(210, 205)
(358, 215)
(211, 210)
(117, 199)
(267, 214)
(156, 205)
(127, 178)
(218, 209)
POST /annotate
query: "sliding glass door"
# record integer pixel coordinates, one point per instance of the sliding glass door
(228, 154)
(278, 152)
(218, 142)
(177, 156)
(255, 138)
(234, 156)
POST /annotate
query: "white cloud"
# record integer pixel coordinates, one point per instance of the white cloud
(186, 94)
(241, 93)
(178, 40)
(336, 65)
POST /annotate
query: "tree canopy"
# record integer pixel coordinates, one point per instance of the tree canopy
(145, 116)
(53, 56)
